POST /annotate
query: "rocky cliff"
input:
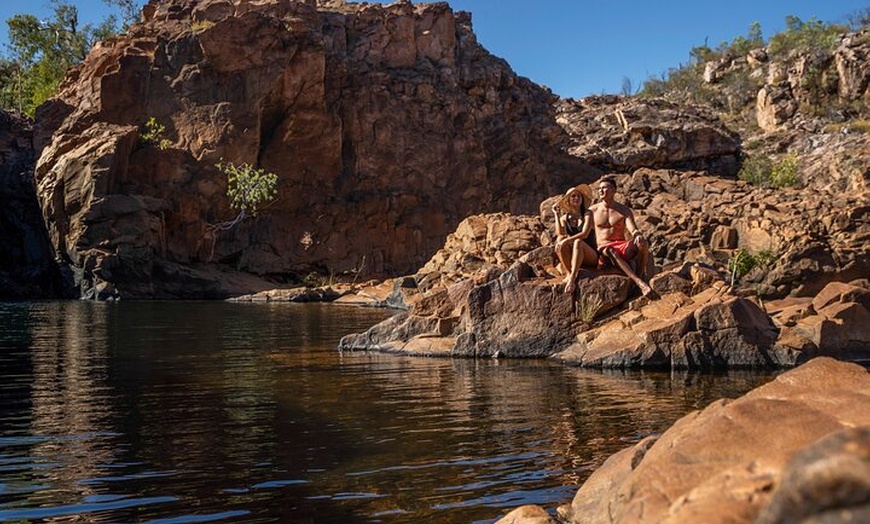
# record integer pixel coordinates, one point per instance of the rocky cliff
(386, 125)
(27, 268)
(389, 125)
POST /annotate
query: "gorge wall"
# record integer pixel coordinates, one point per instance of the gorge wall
(386, 125)
(27, 268)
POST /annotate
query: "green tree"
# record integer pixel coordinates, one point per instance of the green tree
(812, 35)
(249, 188)
(41, 51)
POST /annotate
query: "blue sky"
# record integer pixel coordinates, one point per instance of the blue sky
(583, 47)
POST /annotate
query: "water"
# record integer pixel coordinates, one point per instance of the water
(180, 412)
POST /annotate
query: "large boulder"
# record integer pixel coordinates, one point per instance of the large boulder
(793, 450)
(515, 314)
(623, 134)
(386, 125)
(776, 104)
(836, 323)
(709, 330)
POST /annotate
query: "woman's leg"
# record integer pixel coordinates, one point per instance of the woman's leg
(563, 253)
(581, 256)
(590, 256)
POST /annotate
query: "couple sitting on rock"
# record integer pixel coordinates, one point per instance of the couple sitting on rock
(575, 218)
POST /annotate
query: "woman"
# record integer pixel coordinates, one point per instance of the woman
(573, 225)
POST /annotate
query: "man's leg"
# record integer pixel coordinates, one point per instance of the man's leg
(641, 248)
(619, 262)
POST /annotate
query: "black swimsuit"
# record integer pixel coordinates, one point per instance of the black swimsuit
(571, 229)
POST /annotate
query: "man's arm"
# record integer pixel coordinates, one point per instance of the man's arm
(631, 226)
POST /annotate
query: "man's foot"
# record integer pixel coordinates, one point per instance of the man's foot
(647, 291)
(570, 285)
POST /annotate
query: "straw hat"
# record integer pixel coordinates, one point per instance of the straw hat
(565, 202)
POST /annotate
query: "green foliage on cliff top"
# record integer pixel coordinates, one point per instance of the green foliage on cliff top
(41, 51)
(736, 88)
(800, 36)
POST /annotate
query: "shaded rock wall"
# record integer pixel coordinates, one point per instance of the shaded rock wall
(27, 267)
(386, 125)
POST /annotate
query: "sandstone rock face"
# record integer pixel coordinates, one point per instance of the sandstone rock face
(485, 242)
(623, 134)
(775, 105)
(852, 60)
(515, 314)
(27, 267)
(816, 236)
(387, 125)
(836, 323)
(793, 450)
(710, 330)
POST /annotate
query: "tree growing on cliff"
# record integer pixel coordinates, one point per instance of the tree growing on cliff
(249, 189)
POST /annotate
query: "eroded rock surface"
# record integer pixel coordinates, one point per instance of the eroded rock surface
(796, 448)
(622, 134)
(706, 331)
(387, 126)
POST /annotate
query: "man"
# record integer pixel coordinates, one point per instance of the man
(613, 221)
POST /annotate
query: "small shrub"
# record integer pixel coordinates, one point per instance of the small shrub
(153, 134)
(201, 25)
(248, 187)
(784, 173)
(756, 170)
(588, 307)
(762, 171)
(316, 280)
(854, 126)
(742, 262)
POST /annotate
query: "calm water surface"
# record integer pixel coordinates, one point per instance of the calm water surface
(178, 412)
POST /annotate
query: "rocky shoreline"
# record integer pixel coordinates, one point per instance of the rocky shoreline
(403, 147)
(794, 450)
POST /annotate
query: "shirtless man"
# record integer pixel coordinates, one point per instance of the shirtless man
(612, 222)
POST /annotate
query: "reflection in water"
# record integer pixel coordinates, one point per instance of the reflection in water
(195, 412)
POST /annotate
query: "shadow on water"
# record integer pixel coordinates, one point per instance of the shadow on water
(208, 411)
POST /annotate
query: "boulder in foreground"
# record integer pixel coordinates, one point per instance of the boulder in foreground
(794, 450)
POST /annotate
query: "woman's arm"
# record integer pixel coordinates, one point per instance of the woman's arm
(588, 221)
(561, 230)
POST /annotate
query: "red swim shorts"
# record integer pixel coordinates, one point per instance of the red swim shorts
(620, 246)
